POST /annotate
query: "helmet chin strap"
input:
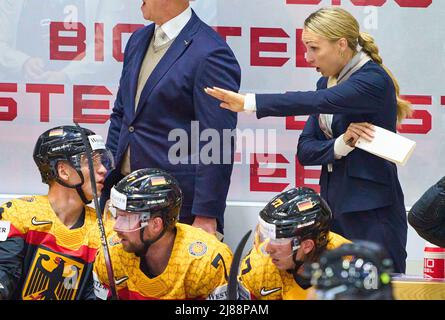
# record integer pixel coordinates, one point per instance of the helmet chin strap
(82, 195)
(148, 243)
(303, 282)
(78, 186)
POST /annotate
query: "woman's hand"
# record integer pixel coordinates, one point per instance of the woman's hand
(230, 100)
(364, 130)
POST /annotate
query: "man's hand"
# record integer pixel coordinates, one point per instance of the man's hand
(205, 223)
(355, 131)
(230, 100)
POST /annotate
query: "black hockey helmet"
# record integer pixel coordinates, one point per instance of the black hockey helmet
(64, 143)
(145, 193)
(297, 213)
(359, 270)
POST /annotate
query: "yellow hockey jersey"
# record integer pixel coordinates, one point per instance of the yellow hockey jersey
(264, 281)
(197, 269)
(41, 258)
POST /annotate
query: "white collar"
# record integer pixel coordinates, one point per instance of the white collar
(357, 61)
(174, 26)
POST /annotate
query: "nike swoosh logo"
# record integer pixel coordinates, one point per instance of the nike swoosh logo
(265, 292)
(35, 222)
(120, 280)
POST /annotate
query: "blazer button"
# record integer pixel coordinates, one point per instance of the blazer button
(131, 129)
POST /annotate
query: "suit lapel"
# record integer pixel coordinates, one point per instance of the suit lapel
(177, 48)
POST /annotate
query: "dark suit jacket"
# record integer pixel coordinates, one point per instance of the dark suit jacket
(172, 98)
(359, 181)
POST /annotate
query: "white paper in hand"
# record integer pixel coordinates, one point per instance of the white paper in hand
(388, 145)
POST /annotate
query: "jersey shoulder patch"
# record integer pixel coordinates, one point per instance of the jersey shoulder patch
(197, 248)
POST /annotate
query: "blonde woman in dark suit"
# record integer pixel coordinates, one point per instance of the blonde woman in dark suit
(356, 92)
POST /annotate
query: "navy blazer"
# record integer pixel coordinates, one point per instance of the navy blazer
(359, 181)
(172, 98)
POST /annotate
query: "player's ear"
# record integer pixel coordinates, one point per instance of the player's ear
(158, 224)
(63, 170)
(308, 245)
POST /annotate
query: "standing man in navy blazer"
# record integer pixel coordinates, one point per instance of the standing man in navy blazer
(167, 64)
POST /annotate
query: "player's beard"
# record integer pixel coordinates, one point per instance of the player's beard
(131, 246)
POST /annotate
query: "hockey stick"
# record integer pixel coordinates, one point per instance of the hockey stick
(232, 286)
(103, 237)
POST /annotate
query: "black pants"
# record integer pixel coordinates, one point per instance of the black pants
(383, 225)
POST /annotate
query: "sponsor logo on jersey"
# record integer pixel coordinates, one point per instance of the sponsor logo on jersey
(100, 290)
(5, 226)
(52, 276)
(266, 292)
(220, 293)
(120, 280)
(114, 240)
(197, 248)
(36, 222)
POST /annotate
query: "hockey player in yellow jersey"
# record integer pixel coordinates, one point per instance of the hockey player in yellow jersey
(154, 256)
(48, 243)
(293, 229)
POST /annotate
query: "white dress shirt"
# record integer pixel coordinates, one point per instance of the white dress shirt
(174, 26)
